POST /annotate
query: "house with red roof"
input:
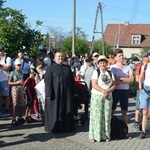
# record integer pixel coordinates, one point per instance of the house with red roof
(131, 38)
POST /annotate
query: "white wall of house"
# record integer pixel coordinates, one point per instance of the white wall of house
(128, 52)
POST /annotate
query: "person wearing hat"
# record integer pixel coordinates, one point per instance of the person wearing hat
(144, 88)
(136, 125)
(123, 76)
(31, 96)
(95, 56)
(103, 83)
(15, 80)
(5, 66)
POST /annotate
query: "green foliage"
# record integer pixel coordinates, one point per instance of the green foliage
(145, 49)
(80, 44)
(132, 89)
(134, 58)
(15, 34)
(97, 47)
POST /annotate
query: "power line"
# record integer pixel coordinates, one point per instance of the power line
(86, 12)
(127, 10)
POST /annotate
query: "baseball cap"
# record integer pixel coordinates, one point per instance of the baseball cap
(95, 54)
(102, 57)
(17, 62)
(47, 61)
(88, 59)
(26, 57)
(1, 48)
(148, 52)
(33, 70)
(145, 54)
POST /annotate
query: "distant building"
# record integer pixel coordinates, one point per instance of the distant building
(131, 38)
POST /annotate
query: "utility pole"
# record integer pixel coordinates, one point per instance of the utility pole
(99, 8)
(74, 28)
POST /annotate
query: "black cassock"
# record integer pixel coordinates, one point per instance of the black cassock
(60, 86)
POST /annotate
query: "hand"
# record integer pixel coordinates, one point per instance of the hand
(48, 97)
(78, 73)
(105, 93)
(75, 95)
(21, 81)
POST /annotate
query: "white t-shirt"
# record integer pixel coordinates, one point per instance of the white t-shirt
(4, 74)
(103, 84)
(147, 74)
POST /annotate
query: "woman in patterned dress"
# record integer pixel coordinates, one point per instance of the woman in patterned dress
(103, 83)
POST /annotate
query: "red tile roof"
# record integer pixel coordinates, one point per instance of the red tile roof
(126, 32)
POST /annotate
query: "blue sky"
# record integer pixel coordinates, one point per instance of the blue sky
(58, 13)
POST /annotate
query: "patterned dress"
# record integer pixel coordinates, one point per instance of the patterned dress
(100, 110)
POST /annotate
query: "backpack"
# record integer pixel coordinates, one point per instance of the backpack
(98, 71)
(145, 67)
(119, 129)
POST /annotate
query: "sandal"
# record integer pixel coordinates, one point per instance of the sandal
(108, 140)
(128, 137)
(91, 140)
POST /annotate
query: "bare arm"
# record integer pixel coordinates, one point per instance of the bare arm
(10, 82)
(128, 79)
(96, 86)
(140, 79)
(5, 68)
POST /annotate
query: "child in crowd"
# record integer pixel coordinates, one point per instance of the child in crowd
(16, 81)
(31, 96)
(40, 89)
(40, 69)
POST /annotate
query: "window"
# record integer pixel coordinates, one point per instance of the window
(136, 39)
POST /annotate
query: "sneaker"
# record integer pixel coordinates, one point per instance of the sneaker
(21, 120)
(142, 135)
(27, 120)
(32, 119)
(136, 126)
(5, 113)
(15, 122)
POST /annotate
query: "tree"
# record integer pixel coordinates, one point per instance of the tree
(56, 37)
(15, 34)
(97, 47)
(81, 46)
(79, 33)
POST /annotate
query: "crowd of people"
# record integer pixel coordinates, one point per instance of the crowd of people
(47, 84)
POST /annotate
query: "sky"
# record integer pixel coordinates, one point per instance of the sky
(59, 13)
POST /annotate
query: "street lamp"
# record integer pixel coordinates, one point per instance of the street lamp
(74, 28)
(117, 33)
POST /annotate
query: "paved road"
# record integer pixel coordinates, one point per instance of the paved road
(33, 137)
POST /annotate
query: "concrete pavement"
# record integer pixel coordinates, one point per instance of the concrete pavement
(33, 137)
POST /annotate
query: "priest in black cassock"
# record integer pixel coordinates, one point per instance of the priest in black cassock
(59, 91)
